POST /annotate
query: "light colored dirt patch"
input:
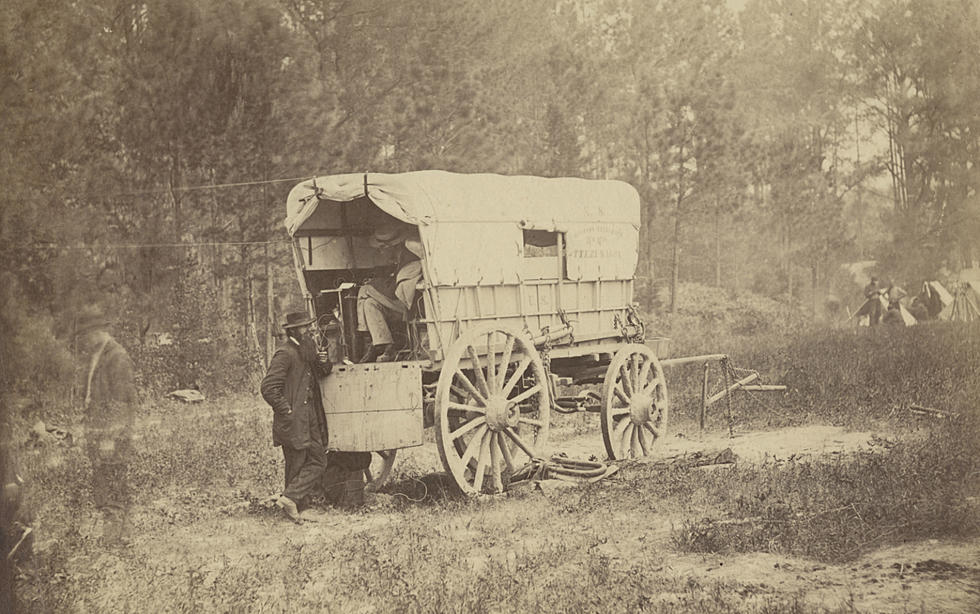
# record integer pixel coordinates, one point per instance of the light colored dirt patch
(752, 447)
(927, 576)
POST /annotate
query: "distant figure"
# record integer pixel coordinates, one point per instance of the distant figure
(873, 292)
(918, 309)
(894, 295)
(387, 300)
(291, 387)
(109, 405)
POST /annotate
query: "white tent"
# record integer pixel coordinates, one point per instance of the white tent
(965, 306)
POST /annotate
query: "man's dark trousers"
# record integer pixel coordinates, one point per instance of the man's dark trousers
(304, 468)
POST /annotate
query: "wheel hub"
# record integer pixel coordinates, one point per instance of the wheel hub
(640, 406)
(500, 414)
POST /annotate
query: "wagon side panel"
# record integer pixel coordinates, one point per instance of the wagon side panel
(376, 406)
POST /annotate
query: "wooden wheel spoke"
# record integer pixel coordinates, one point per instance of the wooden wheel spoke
(625, 438)
(618, 411)
(498, 484)
(533, 390)
(531, 421)
(653, 386)
(625, 380)
(640, 436)
(505, 452)
(505, 359)
(473, 447)
(468, 385)
(466, 428)
(635, 371)
(481, 381)
(467, 408)
(520, 442)
(654, 432)
(619, 394)
(620, 428)
(482, 461)
(517, 375)
(461, 394)
(645, 372)
(634, 442)
(491, 365)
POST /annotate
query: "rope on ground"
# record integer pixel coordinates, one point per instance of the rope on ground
(563, 468)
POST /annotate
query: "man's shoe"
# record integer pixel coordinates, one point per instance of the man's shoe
(374, 352)
(389, 355)
(288, 506)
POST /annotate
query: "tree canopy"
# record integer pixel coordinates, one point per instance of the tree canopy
(149, 145)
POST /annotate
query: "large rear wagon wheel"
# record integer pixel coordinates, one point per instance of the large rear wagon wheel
(634, 402)
(492, 407)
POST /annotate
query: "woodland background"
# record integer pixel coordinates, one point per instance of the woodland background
(148, 148)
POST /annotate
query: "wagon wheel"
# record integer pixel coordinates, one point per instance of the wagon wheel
(492, 413)
(378, 473)
(634, 402)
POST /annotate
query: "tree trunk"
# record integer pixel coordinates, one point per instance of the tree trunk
(270, 344)
(717, 246)
(675, 261)
(813, 290)
(250, 331)
(175, 200)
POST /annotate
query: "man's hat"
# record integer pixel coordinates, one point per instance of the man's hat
(297, 318)
(386, 236)
(87, 319)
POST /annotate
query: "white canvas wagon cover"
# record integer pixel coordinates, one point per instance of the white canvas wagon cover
(471, 224)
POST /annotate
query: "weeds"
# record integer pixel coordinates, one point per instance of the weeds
(603, 547)
(837, 510)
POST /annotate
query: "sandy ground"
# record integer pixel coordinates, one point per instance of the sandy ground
(928, 576)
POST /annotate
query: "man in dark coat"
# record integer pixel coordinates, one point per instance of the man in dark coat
(298, 425)
(110, 403)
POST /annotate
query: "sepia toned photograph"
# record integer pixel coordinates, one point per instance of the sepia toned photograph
(490, 306)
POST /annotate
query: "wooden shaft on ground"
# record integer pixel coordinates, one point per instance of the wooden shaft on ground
(745, 380)
(673, 362)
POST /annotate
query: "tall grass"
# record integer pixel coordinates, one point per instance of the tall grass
(852, 377)
(602, 547)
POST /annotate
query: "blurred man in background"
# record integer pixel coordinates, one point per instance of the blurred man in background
(873, 293)
(109, 404)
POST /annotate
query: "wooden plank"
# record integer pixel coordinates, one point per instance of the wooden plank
(375, 406)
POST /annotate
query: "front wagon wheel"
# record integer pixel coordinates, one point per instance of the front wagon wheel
(634, 402)
(492, 407)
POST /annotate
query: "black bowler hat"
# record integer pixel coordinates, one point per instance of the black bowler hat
(297, 318)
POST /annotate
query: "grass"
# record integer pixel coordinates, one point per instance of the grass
(611, 546)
